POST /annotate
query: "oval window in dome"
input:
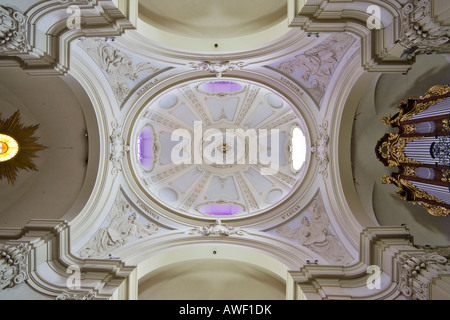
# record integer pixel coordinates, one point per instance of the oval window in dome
(145, 148)
(298, 148)
(220, 209)
(220, 87)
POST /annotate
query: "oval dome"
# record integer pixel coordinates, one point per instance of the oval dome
(221, 155)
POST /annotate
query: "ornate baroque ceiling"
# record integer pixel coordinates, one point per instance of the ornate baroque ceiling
(181, 112)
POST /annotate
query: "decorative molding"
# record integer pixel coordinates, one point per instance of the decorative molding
(419, 31)
(50, 248)
(315, 234)
(13, 264)
(76, 1)
(197, 191)
(162, 175)
(192, 98)
(165, 121)
(69, 295)
(13, 31)
(122, 227)
(253, 204)
(119, 67)
(217, 68)
(217, 229)
(118, 148)
(417, 273)
(320, 149)
(249, 100)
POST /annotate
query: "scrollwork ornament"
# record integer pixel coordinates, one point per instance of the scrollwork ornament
(118, 148)
(218, 68)
(13, 265)
(320, 149)
(392, 149)
(419, 31)
(13, 31)
(68, 295)
(417, 273)
(217, 229)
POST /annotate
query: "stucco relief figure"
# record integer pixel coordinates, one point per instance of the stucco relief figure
(317, 64)
(121, 229)
(315, 234)
(118, 66)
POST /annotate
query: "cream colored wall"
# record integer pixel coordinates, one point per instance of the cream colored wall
(211, 279)
(50, 192)
(376, 103)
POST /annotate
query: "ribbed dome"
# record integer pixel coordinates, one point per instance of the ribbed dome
(219, 148)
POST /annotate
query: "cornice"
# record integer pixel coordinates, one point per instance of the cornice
(378, 246)
(49, 259)
(48, 51)
(379, 46)
(180, 220)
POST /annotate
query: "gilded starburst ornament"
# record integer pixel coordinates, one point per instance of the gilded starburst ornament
(18, 147)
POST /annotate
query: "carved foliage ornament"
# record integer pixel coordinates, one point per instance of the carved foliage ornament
(217, 68)
(320, 149)
(391, 149)
(418, 272)
(68, 295)
(217, 229)
(118, 148)
(13, 265)
(13, 31)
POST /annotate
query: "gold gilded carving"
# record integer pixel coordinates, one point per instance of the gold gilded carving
(436, 210)
(419, 105)
(392, 150)
(409, 128)
(417, 196)
(409, 171)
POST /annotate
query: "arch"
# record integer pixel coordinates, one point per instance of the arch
(272, 261)
(67, 127)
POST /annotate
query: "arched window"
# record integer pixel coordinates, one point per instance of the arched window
(220, 87)
(298, 148)
(220, 209)
(145, 148)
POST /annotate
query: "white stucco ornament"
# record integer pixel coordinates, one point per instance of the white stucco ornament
(217, 229)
